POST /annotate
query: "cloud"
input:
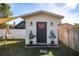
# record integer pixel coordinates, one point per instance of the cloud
(58, 8)
(71, 3)
(63, 9)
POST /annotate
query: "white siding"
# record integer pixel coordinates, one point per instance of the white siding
(42, 18)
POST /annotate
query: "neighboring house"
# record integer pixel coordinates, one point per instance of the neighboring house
(41, 29)
(21, 25)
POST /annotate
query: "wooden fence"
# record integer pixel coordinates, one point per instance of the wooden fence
(70, 37)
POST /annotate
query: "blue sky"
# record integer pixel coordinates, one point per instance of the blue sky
(70, 11)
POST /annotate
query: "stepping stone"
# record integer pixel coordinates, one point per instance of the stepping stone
(43, 51)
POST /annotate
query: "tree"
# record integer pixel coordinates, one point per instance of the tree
(3, 25)
(5, 10)
(4, 13)
(76, 26)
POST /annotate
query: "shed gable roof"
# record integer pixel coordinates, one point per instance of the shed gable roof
(42, 11)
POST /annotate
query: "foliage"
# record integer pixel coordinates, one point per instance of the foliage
(4, 25)
(76, 26)
(5, 10)
(52, 35)
(31, 36)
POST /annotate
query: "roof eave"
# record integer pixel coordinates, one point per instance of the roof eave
(41, 11)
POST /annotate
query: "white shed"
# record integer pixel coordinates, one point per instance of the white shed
(41, 29)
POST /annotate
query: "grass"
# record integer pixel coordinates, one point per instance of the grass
(17, 48)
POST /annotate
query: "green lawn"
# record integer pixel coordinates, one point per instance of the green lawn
(17, 48)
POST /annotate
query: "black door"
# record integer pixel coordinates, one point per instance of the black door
(41, 32)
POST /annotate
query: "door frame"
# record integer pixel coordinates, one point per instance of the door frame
(37, 32)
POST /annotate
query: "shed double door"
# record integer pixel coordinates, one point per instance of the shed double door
(41, 32)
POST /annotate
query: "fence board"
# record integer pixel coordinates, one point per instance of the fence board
(70, 38)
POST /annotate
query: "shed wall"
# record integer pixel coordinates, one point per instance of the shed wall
(42, 18)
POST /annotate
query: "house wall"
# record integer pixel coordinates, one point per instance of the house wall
(42, 18)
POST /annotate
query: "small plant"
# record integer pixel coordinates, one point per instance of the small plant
(52, 35)
(31, 35)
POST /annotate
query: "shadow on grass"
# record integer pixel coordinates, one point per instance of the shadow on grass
(18, 49)
(63, 50)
